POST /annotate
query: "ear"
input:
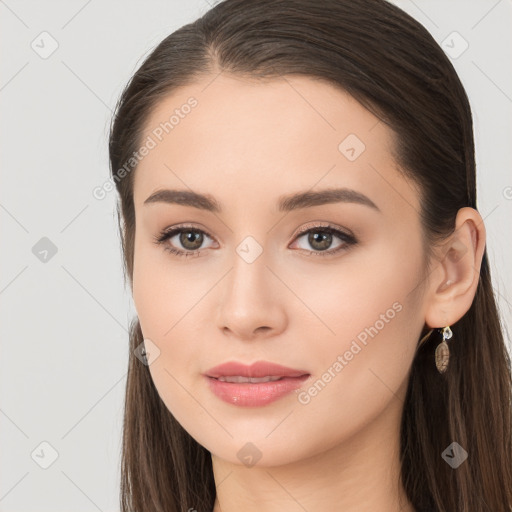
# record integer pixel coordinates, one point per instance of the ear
(455, 275)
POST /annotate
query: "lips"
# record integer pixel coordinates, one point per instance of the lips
(247, 380)
(255, 385)
(259, 370)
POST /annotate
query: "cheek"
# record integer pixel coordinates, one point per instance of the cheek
(161, 293)
(366, 314)
(163, 298)
(168, 301)
(367, 288)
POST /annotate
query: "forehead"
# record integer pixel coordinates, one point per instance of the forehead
(247, 139)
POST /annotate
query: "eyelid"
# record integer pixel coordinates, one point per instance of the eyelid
(346, 236)
(303, 229)
(321, 224)
(168, 233)
(186, 225)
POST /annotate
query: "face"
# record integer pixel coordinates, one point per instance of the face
(329, 286)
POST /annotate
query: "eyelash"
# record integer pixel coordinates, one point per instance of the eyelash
(348, 240)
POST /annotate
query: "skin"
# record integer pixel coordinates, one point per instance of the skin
(247, 143)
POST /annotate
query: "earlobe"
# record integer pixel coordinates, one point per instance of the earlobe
(454, 282)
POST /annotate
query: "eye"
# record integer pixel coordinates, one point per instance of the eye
(320, 239)
(190, 239)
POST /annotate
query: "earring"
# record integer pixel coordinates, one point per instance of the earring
(442, 351)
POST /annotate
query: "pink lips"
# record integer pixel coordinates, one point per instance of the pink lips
(258, 369)
(254, 394)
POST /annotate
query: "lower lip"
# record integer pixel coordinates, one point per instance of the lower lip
(254, 395)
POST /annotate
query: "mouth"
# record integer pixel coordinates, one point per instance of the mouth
(257, 370)
(253, 391)
(238, 379)
(253, 385)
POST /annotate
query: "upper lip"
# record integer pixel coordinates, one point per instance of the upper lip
(257, 369)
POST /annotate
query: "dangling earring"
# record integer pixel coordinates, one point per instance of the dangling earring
(442, 351)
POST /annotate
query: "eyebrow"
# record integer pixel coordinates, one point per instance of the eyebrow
(286, 203)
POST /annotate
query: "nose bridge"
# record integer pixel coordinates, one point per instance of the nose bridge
(249, 298)
(250, 274)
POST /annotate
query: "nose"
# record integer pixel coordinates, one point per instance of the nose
(252, 302)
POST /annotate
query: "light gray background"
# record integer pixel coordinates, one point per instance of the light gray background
(64, 321)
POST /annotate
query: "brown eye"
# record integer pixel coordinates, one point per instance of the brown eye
(182, 240)
(191, 240)
(319, 240)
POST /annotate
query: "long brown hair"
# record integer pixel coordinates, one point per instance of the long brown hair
(393, 66)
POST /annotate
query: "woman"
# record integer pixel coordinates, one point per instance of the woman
(316, 322)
